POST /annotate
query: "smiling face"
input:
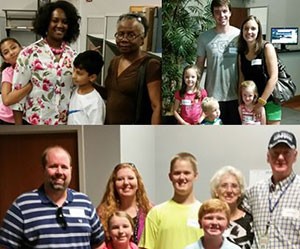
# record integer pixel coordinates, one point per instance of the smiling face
(222, 15)
(250, 31)
(182, 177)
(214, 224)
(57, 171)
(281, 158)
(126, 183)
(130, 36)
(229, 189)
(57, 27)
(10, 51)
(190, 78)
(248, 95)
(120, 231)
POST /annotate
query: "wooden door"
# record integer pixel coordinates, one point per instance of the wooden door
(20, 163)
(238, 15)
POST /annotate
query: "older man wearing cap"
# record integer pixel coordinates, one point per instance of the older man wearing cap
(275, 202)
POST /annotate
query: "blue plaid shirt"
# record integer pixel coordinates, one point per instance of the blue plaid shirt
(278, 205)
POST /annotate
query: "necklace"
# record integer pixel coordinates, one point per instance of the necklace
(57, 51)
(136, 227)
(60, 50)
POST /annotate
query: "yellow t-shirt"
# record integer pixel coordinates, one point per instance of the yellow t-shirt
(171, 226)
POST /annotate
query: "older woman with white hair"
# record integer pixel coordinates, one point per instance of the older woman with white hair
(228, 184)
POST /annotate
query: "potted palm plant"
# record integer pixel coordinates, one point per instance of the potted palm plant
(183, 21)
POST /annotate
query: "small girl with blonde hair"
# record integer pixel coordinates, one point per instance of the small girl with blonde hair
(120, 230)
(248, 97)
(187, 106)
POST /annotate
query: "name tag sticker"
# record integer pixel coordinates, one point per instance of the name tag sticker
(186, 102)
(77, 212)
(232, 50)
(290, 213)
(256, 62)
(192, 223)
(263, 242)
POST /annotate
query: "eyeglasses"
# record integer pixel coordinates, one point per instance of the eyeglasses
(233, 187)
(277, 153)
(60, 218)
(129, 36)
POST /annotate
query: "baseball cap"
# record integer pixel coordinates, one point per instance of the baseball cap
(285, 137)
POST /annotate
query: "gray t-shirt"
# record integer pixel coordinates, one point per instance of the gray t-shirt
(222, 72)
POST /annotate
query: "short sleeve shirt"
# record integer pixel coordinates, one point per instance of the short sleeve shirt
(6, 113)
(33, 222)
(190, 105)
(222, 73)
(283, 231)
(47, 103)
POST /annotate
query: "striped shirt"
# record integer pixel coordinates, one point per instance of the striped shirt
(34, 221)
(248, 116)
(278, 205)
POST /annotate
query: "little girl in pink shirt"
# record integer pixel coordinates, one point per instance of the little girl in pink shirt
(187, 106)
(9, 51)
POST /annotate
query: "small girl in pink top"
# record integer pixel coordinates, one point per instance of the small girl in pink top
(9, 51)
(120, 229)
(187, 106)
(248, 98)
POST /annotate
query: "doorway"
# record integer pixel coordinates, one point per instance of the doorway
(20, 166)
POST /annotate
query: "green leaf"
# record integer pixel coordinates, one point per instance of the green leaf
(183, 21)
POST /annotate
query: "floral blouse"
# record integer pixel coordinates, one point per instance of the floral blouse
(47, 103)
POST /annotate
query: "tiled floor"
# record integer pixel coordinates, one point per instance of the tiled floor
(290, 116)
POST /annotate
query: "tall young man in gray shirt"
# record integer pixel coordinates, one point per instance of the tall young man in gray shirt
(218, 47)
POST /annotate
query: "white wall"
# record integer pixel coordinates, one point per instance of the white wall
(152, 147)
(18, 4)
(101, 152)
(24, 37)
(138, 146)
(105, 8)
(244, 147)
(85, 9)
(280, 13)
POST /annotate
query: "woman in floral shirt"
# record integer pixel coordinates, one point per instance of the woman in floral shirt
(47, 63)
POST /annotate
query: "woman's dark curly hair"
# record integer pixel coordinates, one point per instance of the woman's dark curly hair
(43, 19)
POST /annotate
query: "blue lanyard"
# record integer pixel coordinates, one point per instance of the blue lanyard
(282, 193)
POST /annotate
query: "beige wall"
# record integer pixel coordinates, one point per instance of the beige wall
(152, 147)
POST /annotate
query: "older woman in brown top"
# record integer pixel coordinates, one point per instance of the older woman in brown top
(122, 81)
